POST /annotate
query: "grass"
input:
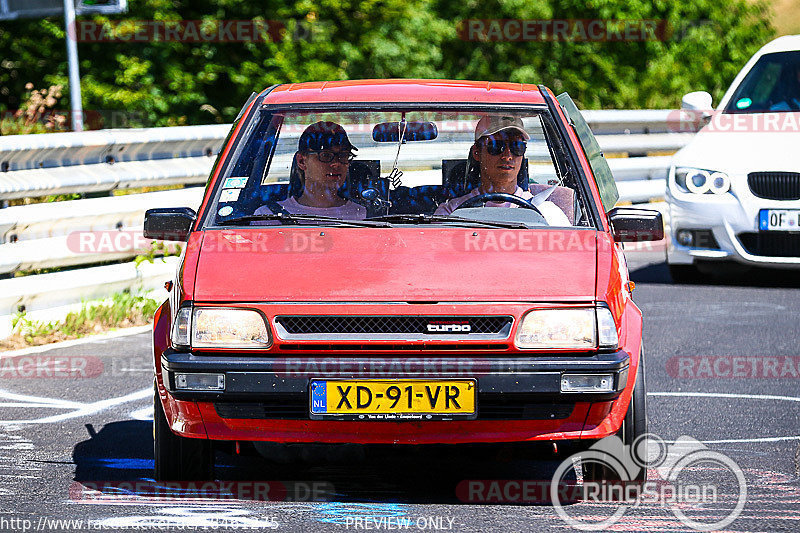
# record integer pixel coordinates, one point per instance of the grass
(123, 309)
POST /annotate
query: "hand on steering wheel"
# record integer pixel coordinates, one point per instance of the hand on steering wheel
(483, 199)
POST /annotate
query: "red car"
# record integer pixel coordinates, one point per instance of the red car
(399, 261)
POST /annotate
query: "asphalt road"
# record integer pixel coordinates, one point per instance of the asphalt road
(722, 368)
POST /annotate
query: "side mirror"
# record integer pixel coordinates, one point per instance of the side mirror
(629, 224)
(169, 223)
(697, 101)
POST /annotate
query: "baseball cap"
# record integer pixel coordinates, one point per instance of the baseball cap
(491, 124)
(323, 136)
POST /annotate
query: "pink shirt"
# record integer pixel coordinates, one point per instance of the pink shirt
(348, 211)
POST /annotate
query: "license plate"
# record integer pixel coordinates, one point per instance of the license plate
(393, 399)
(779, 220)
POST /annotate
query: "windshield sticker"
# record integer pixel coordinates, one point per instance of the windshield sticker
(229, 195)
(744, 103)
(225, 211)
(235, 183)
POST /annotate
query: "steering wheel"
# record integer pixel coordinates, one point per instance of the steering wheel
(483, 199)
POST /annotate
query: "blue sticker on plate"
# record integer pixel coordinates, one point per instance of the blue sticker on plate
(225, 211)
(744, 103)
(319, 397)
(763, 219)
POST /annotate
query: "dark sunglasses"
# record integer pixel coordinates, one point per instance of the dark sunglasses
(326, 156)
(498, 146)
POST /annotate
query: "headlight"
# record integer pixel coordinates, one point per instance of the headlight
(211, 327)
(699, 181)
(567, 329)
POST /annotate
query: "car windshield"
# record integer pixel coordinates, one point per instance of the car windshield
(384, 168)
(773, 84)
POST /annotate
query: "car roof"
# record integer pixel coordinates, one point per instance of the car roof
(405, 90)
(786, 43)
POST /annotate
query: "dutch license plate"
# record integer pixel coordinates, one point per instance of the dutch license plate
(779, 220)
(393, 399)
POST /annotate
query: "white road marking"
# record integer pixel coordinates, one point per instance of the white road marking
(66, 404)
(78, 409)
(736, 396)
(143, 414)
(726, 395)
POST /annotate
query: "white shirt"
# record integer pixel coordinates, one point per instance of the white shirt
(348, 211)
(553, 215)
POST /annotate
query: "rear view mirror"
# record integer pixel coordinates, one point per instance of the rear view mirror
(389, 132)
(169, 223)
(629, 224)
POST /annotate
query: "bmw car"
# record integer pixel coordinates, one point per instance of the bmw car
(734, 190)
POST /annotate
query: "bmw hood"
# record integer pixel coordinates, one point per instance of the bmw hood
(757, 142)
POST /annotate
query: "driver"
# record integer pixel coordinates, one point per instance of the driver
(500, 144)
(323, 159)
(787, 92)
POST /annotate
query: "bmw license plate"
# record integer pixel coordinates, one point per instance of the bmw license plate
(391, 399)
(779, 220)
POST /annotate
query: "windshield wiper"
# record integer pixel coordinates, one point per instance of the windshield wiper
(421, 218)
(286, 218)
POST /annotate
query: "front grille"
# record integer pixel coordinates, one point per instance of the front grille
(771, 243)
(355, 324)
(491, 406)
(775, 185)
(380, 347)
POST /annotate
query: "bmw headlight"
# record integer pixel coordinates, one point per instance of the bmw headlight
(699, 181)
(583, 328)
(214, 327)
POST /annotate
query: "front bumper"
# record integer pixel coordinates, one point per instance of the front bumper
(732, 218)
(519, 397)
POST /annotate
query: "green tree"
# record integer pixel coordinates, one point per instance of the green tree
(172, 83)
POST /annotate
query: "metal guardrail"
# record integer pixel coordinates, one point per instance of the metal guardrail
(43, 235)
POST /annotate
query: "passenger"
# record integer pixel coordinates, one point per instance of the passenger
(500, 144)
(322, 161)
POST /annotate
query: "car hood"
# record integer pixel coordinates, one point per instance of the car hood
(396, 264)
(762, 145)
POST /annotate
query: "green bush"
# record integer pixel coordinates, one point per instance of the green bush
(172, 83)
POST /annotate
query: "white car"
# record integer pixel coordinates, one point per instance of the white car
(734, 190)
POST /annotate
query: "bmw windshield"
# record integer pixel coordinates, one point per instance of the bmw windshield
(773, 84)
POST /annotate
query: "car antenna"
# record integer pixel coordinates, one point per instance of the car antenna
(395, 175)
